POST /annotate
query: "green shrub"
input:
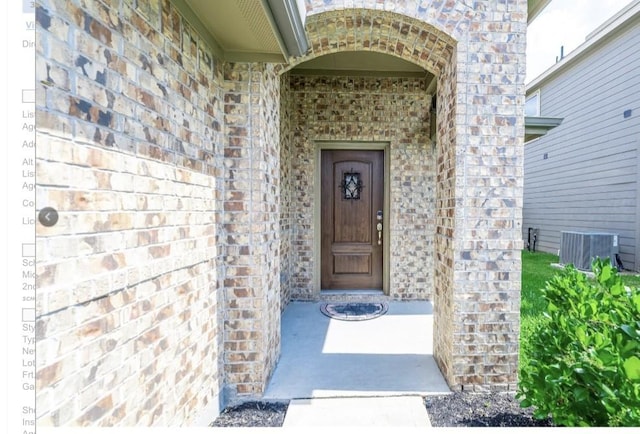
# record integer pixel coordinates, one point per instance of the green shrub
(584, 360)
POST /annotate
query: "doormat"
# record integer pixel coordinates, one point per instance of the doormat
(354, 311)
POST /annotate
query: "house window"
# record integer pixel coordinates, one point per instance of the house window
(351, 185)
(532, 104)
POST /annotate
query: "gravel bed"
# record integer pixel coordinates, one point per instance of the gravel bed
(454, 410)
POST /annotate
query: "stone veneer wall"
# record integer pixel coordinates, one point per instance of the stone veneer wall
(368, 109)
(129, 143)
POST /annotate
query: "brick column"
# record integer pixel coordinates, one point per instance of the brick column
(479, 227)
(251, 223)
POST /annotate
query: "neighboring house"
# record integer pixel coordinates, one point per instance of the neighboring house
(584, 175)
(188, 147)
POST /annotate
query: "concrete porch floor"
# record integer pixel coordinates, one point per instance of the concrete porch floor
(390, 356)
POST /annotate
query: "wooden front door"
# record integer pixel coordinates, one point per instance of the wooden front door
(352, 205)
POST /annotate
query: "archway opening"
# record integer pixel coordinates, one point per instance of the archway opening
(378, 78)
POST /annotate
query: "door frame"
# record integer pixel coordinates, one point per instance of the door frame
(321, 145)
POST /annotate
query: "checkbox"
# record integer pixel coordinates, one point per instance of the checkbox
(28, 250)
(28, 314)
(29, 95)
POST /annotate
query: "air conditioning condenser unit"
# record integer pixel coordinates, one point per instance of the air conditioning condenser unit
(581, 248)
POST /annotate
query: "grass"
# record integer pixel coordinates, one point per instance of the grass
(536, 271)
(632, 280)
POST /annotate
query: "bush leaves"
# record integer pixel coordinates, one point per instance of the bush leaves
(584, 367)
(632, 368)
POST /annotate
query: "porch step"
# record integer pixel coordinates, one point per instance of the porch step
(354, 296)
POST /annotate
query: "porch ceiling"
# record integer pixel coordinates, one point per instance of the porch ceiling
(271, 31)
(360, 63)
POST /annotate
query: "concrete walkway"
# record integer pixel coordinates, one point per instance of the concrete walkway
(388, 357)
(398, 411)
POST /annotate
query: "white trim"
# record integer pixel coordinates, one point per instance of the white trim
(287, 21)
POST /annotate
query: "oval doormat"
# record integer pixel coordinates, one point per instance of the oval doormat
(354, 311)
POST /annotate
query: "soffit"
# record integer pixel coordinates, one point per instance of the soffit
(237, 25)
(244, 31)
(535, 7)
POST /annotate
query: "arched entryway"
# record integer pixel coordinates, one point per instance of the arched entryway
(473, 219)
(376, 108)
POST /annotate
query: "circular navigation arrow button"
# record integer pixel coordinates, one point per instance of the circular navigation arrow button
(48, 216)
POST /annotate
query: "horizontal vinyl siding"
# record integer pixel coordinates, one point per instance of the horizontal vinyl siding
(589, 178)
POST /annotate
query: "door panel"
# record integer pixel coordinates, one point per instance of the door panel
(352, 194)
(351, 264)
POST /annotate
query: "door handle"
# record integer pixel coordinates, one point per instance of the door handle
(379, 226)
